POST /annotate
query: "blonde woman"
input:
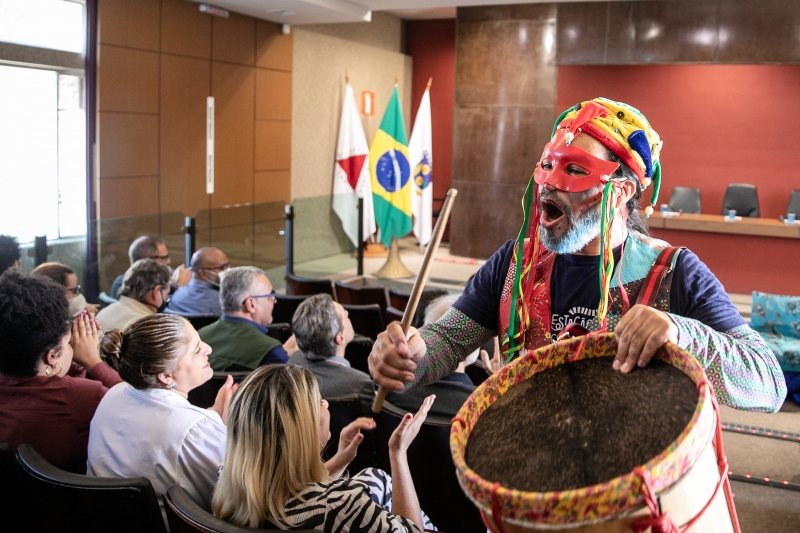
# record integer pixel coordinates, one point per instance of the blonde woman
(273, 475)
(146, 426)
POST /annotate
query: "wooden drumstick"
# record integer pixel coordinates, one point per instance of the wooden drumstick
(422, 277)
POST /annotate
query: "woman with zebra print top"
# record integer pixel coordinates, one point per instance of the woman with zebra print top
(273, 475)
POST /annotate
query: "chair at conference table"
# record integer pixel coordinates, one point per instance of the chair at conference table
(351, 295)
(432, 470)
(685, 200)
(284, 308)
(206, 394)
(72, 502)
(743, 198)
(185, 516)
(297, 286)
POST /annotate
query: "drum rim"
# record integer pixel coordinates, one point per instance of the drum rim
(586, 505)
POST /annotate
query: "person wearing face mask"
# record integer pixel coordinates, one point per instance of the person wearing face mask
(200, 297)
(149, 247)
(64, 275)
(145, 291)
(589, 264)
(43, 403)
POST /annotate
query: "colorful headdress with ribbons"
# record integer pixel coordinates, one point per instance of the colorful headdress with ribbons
(628, 135)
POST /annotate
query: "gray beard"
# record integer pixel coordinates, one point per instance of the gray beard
(581, 231)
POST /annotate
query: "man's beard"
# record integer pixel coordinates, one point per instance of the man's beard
(580, 232)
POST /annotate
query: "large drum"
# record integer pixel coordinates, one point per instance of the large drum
(558, 440)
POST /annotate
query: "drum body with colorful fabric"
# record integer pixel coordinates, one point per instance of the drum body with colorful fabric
(558, 440)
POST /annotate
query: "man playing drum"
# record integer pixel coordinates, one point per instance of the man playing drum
(589, 264)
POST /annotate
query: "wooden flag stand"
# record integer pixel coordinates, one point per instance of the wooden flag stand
(375, 249)
(394, 267)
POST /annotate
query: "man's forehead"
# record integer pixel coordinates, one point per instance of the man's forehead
(589, 144)
(263, 280)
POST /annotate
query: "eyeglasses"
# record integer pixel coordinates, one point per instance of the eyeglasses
(271, 296)
(75, 290)
(218, 269)
(158, 257)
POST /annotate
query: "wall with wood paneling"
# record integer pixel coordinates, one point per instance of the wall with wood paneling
(158, 61)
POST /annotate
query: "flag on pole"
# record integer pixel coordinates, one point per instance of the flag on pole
(390, 170)
(351, 172)
(420, 152)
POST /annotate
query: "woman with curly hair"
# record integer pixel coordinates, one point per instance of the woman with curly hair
(146, 426)
(42, 405)
(274, 477)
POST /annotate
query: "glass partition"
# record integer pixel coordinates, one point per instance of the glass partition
(321, 248)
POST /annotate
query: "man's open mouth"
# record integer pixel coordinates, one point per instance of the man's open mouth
(551, 213)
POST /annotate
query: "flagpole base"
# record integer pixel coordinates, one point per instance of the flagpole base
(394, 267)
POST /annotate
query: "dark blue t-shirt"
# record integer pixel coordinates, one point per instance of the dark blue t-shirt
(575, 292)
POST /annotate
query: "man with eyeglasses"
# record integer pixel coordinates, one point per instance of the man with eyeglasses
(200, 297)
(239, 339)
(147, 247)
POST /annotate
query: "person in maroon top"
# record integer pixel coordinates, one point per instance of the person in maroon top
(46, 400)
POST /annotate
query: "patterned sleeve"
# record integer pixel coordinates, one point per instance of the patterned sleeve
(449, 341)
(740, 366)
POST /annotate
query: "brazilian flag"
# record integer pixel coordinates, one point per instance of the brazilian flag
(390, 172)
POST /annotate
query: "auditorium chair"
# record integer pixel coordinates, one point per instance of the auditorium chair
(16, 513)
(368, 320)
(794, 203)
(351, 295)
(685, 200)
(72, 502)
(344, 410)
(296, 286)
(398, 299)
(280, 331)
(284, 308)
(432, 470)
(357, 351)
(743, 198)
(198, 322)
(206, 394)
(393, 314)
(186, 516)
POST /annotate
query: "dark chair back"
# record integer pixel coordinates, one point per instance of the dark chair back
(368, 320)
(344, 410)
(794, 203)
(185, 516)
(685, 200)
(398, 299)
(85, 503)
(351, 295)
(284, 308)
(296, 286)
(432, 469)
(477, 374)
(280, 331)
(205, 395)
(198, 322)
(393, 314)
(16, 510)
(357, 352)
(742, 197)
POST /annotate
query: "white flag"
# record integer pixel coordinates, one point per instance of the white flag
(420, 152)
(351, 179)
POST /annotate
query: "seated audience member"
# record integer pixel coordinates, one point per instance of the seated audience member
(65, 276)
(9, 253)
(451, 391)
(239, 338)
(200, 297)
(323, 330)
(144, 291)
(273, 475)
(146, 247)
(40, 404)
(146, 426)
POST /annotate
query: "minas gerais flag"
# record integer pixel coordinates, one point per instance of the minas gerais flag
(420, 150)
(351, 179)
(391, 173)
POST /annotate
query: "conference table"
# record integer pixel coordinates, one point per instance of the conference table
(746, 254)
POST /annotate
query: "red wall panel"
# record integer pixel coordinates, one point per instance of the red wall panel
(720, 124)
(432, 45)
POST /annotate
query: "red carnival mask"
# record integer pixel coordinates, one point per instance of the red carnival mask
(569, 168)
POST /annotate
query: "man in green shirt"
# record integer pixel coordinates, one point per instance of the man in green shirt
(239, 339)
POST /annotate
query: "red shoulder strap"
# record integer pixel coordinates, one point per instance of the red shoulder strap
(659, 270)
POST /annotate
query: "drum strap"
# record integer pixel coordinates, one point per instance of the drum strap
(660, 522)
(652, 283)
